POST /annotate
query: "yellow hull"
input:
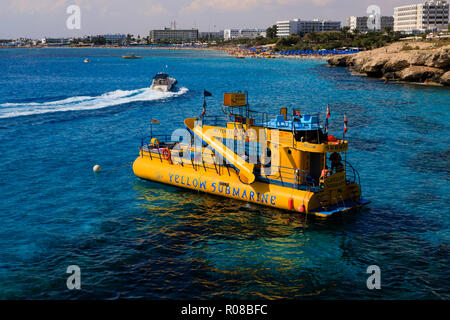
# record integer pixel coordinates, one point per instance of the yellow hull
(223, 181)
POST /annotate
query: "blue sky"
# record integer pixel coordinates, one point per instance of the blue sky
(38, 18)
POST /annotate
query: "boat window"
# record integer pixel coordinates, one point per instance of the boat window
(312, 136)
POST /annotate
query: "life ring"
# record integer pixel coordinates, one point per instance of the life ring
(166, 153)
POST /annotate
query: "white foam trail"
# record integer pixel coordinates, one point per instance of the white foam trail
(108, 99)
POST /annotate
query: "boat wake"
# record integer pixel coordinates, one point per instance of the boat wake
(108, 99)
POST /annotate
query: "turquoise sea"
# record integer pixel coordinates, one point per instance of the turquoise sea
(137, 239)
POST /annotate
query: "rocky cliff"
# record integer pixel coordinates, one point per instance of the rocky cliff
(414, 62)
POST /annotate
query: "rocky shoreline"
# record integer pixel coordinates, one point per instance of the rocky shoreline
(417, 62)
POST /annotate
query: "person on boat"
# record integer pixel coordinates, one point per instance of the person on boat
(336, 162)
(325, 173)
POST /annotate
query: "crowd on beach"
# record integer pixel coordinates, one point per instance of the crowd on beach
(268, 52)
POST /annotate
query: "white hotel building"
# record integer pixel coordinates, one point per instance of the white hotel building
(229, 34)
(360, 23)
(297, 26)
(430, 15)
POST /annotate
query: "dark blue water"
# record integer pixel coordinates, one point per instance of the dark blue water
(131, 238)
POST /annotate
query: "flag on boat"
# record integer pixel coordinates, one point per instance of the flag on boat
(205, 94)
(204, 108)
(326, 119)
(154, 121)
(345, 123)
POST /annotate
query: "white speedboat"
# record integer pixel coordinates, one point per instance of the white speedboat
(162, 82)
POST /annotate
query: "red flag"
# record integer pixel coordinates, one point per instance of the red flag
(345, 123)
(328, 111)
(204, 108)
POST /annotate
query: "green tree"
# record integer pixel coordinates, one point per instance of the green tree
(293, 39)
(99, 40)
(129, 39)
(271, 32)
(345, 31)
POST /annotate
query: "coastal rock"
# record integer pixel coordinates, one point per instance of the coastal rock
(445, 79)
(416, 62)
(439, 59)
(373, 67)
(419, 74)
(397, 63)
(356, 62)
(338, 61)
(416, 58)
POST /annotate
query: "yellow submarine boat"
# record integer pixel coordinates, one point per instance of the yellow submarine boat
(278, 161)
(132, 56)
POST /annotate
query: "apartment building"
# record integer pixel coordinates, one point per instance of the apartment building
(300, 27)
(360, 23)
(430, 15)
(172, 34)
(229, 34)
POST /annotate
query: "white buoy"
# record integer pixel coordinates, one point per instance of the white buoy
(96, 168)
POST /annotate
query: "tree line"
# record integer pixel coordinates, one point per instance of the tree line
(322, 40)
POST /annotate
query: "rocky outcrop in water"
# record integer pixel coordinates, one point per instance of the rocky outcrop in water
(412, 62)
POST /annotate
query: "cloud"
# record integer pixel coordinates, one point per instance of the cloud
(154, 9)
(33, 6)
(245, 5)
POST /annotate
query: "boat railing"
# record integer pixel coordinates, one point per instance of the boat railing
(161, 137)
(215, 120)
(352, 175)
(287, 176)
(260, 119)
(148, 145)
